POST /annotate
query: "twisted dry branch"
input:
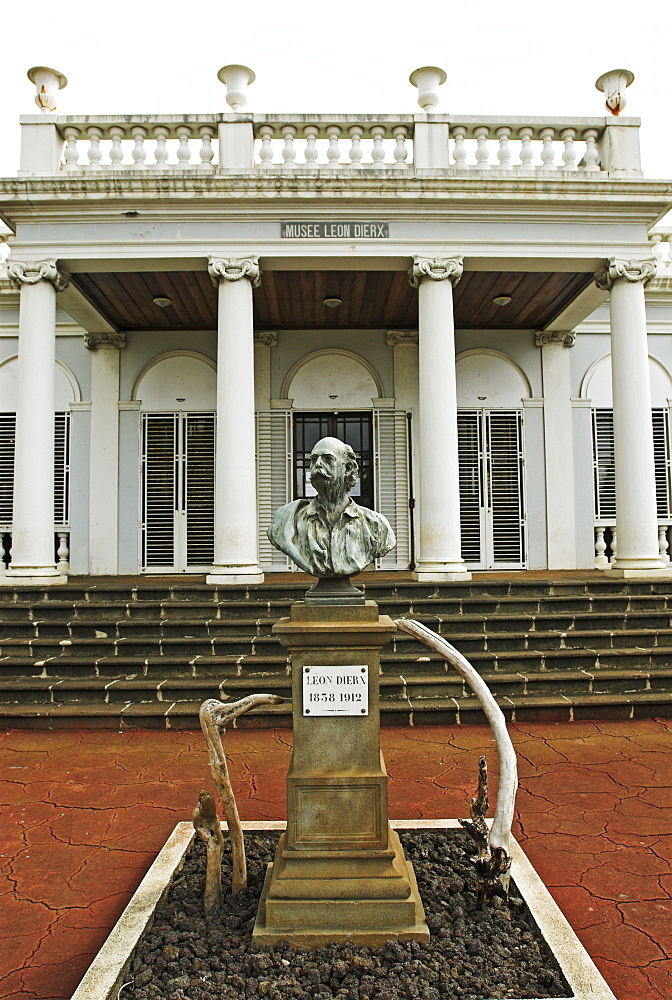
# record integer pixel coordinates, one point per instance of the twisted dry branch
(214, 717)
(208, 828)
(492, 866)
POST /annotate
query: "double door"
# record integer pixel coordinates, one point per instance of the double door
(492, 501)
(355, 429)
(178, 492)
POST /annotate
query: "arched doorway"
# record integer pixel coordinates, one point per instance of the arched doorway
(334, 392)
(333, 395)
(177, 396)
(490, 389)
(596, 386)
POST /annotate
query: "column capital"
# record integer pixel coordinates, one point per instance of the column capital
(233, 269)
(436, 268)
(396, 337)
(631, 270)
(29, 272)
(567, 338)
(266, 338)
(94, 341)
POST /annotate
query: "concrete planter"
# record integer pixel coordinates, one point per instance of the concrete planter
(107, 973)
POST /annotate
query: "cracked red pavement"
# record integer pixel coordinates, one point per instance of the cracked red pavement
(84, 814)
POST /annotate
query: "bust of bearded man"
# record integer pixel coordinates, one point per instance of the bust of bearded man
(330, 535)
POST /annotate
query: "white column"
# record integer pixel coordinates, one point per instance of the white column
(33, 558)
(636, 518)
(558, 448)
(104, 451)
(236, 548)
(439, 556)
(263, 344)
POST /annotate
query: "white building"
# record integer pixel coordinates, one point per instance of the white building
(192, 301)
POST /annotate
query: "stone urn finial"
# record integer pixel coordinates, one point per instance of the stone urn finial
(47, 82)
(613, 84)
(236, 79)
(428, 79)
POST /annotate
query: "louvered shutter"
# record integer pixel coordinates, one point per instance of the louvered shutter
(274, 462)
(199, 487)
(661, 456)
(61, 468)
(392, 486)
(604, 473)
(7, 442)
(470, 460)
(504, 442)
(159, 485)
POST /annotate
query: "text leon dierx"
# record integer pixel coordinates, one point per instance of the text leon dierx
(348, 680)
(335, 230)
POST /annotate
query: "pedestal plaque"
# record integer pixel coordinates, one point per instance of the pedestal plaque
(339, 872)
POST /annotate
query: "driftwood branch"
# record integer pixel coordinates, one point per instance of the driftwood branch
(492, 865)
(214, 717)
(500, 830)
(208, 828)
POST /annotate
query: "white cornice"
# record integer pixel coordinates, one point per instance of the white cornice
(121, 185)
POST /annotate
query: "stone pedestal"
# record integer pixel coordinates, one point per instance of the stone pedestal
(339, 872)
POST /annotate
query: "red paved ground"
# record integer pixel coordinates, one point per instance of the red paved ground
(86, 812)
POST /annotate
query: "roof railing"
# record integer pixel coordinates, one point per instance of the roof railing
(407, 145)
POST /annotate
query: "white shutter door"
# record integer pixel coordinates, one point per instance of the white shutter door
(505, 460)
(392, 486)
(7, 441)
(604, 472)
(661, 457)
(199, 488)
(604, 475)
(470, 460)
(61, 469)
(274, 462)
(159, 486)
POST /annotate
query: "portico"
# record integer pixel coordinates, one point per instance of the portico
(214, 316)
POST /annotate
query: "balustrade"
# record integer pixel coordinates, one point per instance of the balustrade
(61, 550)
(332, 144)
(336, 144)
(525, 149)
(606, 543)
(156, 145)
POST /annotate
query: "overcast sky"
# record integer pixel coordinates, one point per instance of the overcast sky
(524, 57)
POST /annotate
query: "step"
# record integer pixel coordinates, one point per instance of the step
(422, 687)
(409, 662)
(449, 711)
(217, 638)
(107, 626)
(160, 604)
(518, 585)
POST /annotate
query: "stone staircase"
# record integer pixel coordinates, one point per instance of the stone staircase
(147, 653)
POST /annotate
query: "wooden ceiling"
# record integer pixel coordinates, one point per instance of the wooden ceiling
(294, 300)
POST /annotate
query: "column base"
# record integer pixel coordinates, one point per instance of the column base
(32, 575)
(429, 572)
(234, 575)
(659, 571)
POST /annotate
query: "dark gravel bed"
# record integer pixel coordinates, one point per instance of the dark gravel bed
(474, 953)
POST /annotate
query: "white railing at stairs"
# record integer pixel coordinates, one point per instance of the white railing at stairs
(61, 549)
(606, 543)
